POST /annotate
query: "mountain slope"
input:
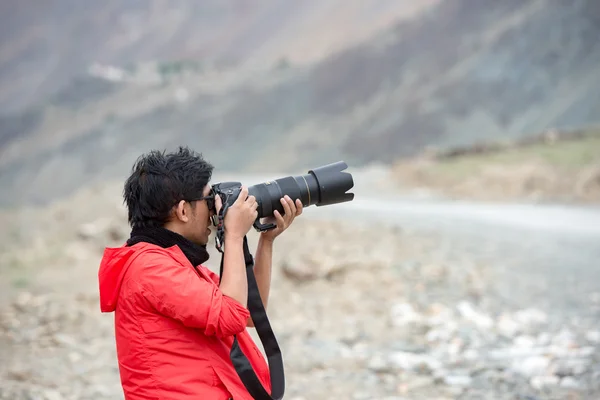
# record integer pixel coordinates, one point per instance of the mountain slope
(465, 71)
(44, 45)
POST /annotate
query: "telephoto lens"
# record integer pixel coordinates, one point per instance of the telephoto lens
(320, 186)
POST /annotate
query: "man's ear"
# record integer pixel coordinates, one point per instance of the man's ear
(181, 212)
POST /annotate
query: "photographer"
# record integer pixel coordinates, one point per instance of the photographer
(174, 318)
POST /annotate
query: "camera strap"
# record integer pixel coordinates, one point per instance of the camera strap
(263, 328)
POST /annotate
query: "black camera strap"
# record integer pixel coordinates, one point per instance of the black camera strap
(263, 328)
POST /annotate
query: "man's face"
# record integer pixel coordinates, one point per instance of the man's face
(198, 226)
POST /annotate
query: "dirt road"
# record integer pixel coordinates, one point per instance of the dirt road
(555, 246)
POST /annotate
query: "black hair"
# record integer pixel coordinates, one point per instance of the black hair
(159, 180)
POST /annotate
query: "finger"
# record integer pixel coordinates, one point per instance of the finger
(286, 207)
(299, 207)
(279, 219)
(218, 203)
(251, 199)
(292, 205)
(242, 196)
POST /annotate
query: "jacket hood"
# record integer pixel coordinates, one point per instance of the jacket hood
(113, 266)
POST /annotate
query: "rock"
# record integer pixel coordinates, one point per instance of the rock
(51, 394)
(420, 363)
(570, 366)
(468, 312)
(90, 230)
(103, 230)
(531, 366)
(75, 357)
(541, 382)
(565, 338)
(507, 326)
(307, 267)
(64, 340)
(21, 375)
(569, 382)
(593, 337)
(458, 380)
(117, 233)
(24, 300)
(404, 314)
(544, 339)
(531, 317)
(378, 363)
(414, 383)
(525, 341)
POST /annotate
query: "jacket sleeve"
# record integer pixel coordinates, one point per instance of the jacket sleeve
(179, 293)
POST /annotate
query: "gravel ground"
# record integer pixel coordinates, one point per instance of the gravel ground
(360, 314)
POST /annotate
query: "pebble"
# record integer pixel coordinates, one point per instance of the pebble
(507, 326)
(404, 314)
(458, 380)
(414, 362)
(593, 337)
(541, 382)
(569, 382)
(571, 366)
(468, 312)
(531, 366)
(52, 395)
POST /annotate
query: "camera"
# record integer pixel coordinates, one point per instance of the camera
(321, 186)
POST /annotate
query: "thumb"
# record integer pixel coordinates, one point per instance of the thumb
(218, 203)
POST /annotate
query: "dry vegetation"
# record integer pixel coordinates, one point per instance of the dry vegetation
(551, 169)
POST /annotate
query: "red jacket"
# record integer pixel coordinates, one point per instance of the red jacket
(174, 327)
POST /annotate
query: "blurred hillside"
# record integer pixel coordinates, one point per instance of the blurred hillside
(84, 92)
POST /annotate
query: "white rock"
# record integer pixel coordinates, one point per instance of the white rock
(587, 351)
(378, 363)
(531, 317)
(471, 355)
(571, 366)
(469, 313)
(544, 339)
(75, 357)
(531, 366)
(593, 336)
(439, 315)
(443, 333)
(569, 382)
(51, 394)
(525, 341)
(414, 362)
(565, 338)
(540, 382)
(404, 314)
(24, 299)
(458, 380)
(507, 326)
(91, 230)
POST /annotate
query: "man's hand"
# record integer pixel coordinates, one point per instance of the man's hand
(240, 216)
(290, 210)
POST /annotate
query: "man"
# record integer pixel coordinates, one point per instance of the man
(174, 318)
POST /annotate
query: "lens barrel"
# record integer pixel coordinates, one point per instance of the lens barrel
(320, 186)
